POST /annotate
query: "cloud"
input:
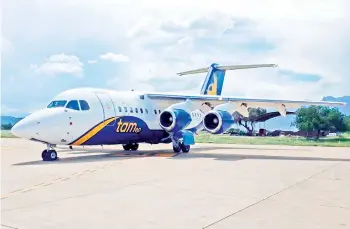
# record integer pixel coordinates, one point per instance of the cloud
(6, 46)
(293, 35)
(60, 63)
(6, 110)
(114, 57)
(305, 38)
(92, 61)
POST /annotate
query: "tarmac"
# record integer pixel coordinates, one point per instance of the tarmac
(213, 186)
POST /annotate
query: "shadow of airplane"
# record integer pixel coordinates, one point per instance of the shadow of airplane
(235, 157)
(233, 147)
(115, 155)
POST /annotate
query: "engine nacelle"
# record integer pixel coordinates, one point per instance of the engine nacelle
(174, 120)
(217, 121)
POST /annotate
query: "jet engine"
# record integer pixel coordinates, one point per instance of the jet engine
(174, 120)
(217, 121)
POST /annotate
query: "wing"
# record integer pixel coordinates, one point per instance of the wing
(248, 102)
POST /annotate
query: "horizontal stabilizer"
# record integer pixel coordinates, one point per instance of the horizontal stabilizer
(236, 67)
(228, 67)
(201, 70)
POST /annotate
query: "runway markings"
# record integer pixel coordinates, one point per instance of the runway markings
(55, 181)
(81, 173)
(10, 147)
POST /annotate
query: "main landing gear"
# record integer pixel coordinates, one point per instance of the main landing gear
(49, 154)
(132, 146)
(180, 146)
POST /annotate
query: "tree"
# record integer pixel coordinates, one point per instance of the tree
(7, 126)
(249, 122)
(347, 122)
(318, 118)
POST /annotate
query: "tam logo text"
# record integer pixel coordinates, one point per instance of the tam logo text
(128, 127)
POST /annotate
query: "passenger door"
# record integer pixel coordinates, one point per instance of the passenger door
(107, 107)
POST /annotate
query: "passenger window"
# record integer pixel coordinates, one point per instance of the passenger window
(146, 111)
(120, 109)
(84, 105)
(155, 111)
(125, 109)
(136, 110)
(73, 104)
(131, 110)
(159, 111)
(141, 110)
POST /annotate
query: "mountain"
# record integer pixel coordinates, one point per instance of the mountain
(279, 123)
(344, 99)
(9, 119)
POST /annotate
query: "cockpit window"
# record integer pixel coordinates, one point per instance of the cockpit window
(73, 104)
(57, 103)
(84, 105)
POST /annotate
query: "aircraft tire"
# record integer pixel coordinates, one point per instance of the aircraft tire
(177, 149)
(134, 146)
(127, 147)
(50, 155)
(185, 148)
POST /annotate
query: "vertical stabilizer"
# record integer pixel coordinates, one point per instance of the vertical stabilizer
(213, 82)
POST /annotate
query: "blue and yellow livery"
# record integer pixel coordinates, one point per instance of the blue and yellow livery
(93, 116)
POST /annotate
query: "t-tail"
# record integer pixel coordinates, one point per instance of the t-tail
(214, 80)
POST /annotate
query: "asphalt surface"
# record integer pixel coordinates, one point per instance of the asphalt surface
(214, 186)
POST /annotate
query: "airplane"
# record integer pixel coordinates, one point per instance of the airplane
(94, 116)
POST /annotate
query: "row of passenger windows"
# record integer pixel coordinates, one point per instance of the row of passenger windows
(83, 105)
(136, 110)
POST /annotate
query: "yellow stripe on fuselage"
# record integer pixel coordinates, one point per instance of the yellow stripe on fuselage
(94, 131)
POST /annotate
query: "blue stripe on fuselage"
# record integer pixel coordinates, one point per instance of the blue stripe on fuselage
(125, 129)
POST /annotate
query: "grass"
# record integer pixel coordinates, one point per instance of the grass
(345, 135)
(7, 134)
(340, 141)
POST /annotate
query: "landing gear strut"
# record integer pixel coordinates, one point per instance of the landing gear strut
(132, 146)
(49, 154)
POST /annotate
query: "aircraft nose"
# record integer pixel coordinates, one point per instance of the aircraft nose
(24, 129)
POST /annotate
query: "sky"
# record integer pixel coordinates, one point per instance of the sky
(51, 46)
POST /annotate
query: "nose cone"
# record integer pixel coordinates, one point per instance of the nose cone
(24, 129)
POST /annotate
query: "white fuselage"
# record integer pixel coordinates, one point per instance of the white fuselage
(111, 117)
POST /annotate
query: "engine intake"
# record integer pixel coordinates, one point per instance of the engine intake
(217, 122)
(174, 120)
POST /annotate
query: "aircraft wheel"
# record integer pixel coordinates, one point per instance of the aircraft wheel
(134, 146)
(185, 148)
(177, 149)
(50, 155)
(126, 147)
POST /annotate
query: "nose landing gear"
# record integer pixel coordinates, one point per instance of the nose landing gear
(49, 154)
